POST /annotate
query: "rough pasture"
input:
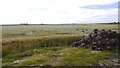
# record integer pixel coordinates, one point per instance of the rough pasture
(50, 45)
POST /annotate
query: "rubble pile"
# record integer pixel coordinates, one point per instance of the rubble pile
(100, 40)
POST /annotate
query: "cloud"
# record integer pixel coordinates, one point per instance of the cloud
(113, 5)
(56, 11)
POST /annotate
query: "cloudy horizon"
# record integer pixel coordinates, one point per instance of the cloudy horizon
(58, 11)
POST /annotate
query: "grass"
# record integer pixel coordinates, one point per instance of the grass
(23, 45)
(11, 57)
(59, 56)
(50, 45)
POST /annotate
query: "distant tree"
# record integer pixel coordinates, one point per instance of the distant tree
(42, 23)
(118, 22)
(23, 23)
(114, 22)
(26, 24)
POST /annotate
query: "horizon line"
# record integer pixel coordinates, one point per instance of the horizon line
(56, 24)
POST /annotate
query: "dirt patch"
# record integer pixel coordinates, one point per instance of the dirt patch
(21, 59)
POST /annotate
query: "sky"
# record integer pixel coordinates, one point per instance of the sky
(58, 11)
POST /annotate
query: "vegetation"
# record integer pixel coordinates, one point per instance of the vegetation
(50, 45)
(23, 45)
(57, 56)
(45, 30)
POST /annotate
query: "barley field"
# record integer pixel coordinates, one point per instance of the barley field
(43, 30)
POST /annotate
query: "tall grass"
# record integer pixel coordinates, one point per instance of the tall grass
(24, 45)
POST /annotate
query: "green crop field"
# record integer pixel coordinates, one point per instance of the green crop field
(51, 45)
(43, 30)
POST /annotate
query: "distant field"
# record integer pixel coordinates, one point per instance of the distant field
(43, 45)
(43, 30)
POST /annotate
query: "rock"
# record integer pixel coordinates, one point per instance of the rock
(100, 40)
(17, 61)
(94, 52)
(114, 60)
(41, 64)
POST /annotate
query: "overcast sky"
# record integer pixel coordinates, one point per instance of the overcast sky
(58, 11)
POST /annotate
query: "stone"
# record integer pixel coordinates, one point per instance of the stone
(100, 40)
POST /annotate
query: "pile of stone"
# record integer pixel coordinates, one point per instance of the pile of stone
(100, 40)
